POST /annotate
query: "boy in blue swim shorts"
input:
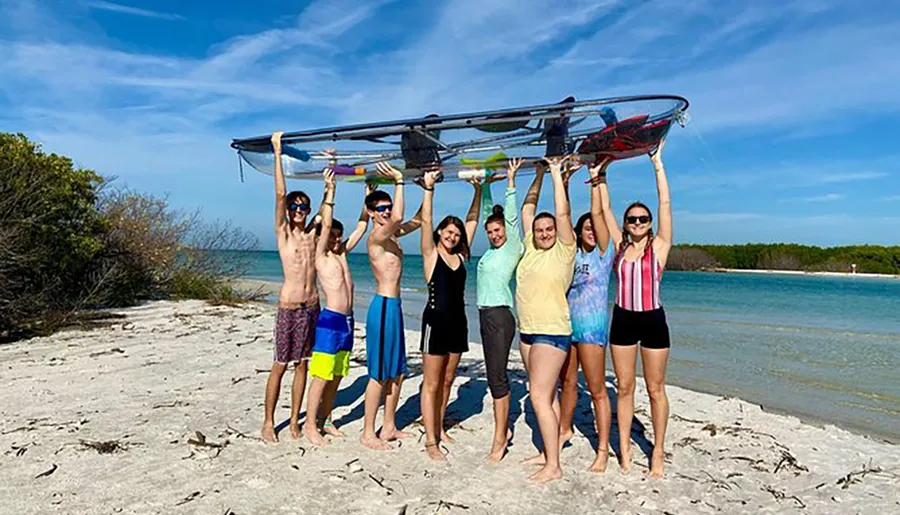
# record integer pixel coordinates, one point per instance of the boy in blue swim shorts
(330, 360)
(385, 344)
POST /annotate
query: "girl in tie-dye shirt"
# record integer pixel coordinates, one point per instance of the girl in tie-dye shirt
(589, 311)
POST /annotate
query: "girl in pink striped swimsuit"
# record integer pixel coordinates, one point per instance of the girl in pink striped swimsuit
(638, 316)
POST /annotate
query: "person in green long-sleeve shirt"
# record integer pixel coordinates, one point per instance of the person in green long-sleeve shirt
(496, 269)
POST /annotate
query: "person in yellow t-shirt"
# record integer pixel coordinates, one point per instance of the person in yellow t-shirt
(542, 280)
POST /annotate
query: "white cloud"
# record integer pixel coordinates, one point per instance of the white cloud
(135, 11)
(828, 197)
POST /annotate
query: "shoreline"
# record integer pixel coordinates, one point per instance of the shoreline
(160, 411)
(795, 272)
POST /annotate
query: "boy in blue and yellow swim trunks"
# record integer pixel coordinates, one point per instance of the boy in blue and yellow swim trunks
(334, 328)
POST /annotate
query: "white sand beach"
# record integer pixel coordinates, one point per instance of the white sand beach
(160, 413)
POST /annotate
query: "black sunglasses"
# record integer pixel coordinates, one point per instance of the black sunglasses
(383, 207)
(637, 219)
(297, 206)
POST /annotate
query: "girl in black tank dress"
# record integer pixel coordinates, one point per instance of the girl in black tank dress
(445, 333)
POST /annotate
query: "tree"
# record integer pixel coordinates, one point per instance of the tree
(50, 230)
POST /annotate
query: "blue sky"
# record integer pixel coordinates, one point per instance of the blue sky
(794, 102)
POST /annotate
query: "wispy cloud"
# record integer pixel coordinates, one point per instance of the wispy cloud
(134, 11)
(828, 197)
(890, 198)
(831, 178)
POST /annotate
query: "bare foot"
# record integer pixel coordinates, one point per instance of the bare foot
(656, 465)
(599, 464)
(535, 460)
(374, 443)
(446, 438)
(396, 434)
(329, 429)
(434, 452)
(314, 436)
(546, 474)
(268, 433)
(498, 451)
(625, 460)
(565, 437)
(295, 430)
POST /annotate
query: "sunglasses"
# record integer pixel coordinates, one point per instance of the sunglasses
(637, 219)
(384, 207)
(299, 207)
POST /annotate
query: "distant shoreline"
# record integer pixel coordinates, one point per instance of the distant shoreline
(797, 272)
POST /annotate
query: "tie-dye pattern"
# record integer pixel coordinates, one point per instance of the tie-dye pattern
(588, 296)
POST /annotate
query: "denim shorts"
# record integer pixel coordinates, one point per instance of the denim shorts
(561, 341)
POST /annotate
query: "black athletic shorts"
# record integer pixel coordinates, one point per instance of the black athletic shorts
(647, 327)
(444, 334)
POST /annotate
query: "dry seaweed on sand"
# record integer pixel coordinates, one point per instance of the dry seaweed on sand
(108, 446)
(47, 472)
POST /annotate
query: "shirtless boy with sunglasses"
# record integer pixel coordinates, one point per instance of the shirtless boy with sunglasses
(298, 301)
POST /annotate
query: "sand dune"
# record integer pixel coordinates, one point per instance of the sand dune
(160, 413)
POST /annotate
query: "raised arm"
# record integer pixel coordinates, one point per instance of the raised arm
(510, 213)
(412, 224)
(429, 252)
(663, 241)
(280, 187)
(383, 232)
(529, 207)
(611, 224)
(564, 231)
(327, 212)
(472, 215)
(362, 224)
(598, 223)
(571, 167)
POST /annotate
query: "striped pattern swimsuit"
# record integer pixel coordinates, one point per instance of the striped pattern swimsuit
(638, 281)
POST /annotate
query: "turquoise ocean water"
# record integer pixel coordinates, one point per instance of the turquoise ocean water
(823, 348)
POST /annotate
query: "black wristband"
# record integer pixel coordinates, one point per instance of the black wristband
(426, 188)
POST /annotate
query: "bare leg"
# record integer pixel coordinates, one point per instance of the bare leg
(568, 376)
(310, 429)
(593, 363)
(544, 374)
(654, 362)
(327, 407)
(298, 387)
(389, 431)
(541, 457)
(372, 401)
(624, 359)
(432, 384)
(525, 350)
(449, 376)
(273, 387)
(501, 429)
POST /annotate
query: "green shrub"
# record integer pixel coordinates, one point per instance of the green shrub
(67, 246)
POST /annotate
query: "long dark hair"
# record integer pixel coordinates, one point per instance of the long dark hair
(496, 216)
(580, 227)
(461, 248)
(626, 237)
